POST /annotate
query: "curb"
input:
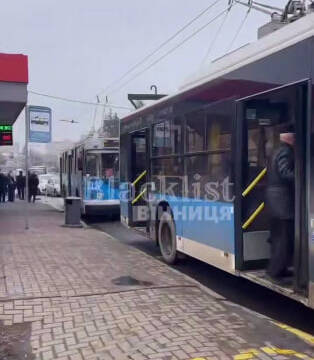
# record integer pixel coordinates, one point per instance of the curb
(84, 225)
(61, 210)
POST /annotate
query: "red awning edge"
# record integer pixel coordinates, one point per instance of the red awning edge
(14, 68)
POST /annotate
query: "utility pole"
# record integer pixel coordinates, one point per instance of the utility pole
(26, 167)
(93, 129)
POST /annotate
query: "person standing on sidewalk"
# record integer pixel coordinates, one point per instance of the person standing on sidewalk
(3, 186)
(21, 183)
(33, 183)
(11, 187)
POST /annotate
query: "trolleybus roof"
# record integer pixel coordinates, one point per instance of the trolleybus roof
(280, 39)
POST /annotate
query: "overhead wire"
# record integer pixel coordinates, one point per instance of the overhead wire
(255, 7)
(225, 11)
(212, 43)
(169, 51)
(79, 101)
(267, 6)
(159, 47)
(238, 30)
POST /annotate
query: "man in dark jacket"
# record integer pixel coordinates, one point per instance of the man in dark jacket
(11, 187)
(33, 183)
(3, 186)
(280, 201)
(20, 184)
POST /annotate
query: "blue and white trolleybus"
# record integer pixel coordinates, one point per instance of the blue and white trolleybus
(90, 170)
(194, 164)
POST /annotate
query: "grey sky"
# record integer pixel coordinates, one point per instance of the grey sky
(77, 47)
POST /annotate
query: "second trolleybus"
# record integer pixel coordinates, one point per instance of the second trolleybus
(90, 170)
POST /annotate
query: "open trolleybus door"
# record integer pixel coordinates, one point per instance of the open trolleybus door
(139, 172)
(260, 119)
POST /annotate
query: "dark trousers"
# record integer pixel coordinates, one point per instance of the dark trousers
(31, 196)
(21, 192)
(11, 194)
(2, 196)
(282, 246)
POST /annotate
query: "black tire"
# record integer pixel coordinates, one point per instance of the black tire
(167, 238)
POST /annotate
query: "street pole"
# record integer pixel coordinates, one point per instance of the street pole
(26, 166)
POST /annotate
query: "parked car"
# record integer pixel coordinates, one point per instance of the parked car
(43, 180)
(53, 186)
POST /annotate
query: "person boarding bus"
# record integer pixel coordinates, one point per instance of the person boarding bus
(280, 199)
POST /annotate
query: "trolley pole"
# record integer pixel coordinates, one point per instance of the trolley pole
(26, 167)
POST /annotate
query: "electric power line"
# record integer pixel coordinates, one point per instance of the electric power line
(169, 52)
(238, 31)
(148, 56)
(211, 46)
(267, 6)
(79, 101)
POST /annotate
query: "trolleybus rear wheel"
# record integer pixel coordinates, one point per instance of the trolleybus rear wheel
(167, 238)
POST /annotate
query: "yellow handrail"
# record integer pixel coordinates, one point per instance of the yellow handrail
(139, 196)
(258, 178)
(139, 178)
(253, 216)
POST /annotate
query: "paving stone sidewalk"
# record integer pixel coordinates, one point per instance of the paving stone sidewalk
(79, 294)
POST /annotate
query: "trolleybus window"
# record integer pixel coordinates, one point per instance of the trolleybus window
(206, 175)
(91, 164)
(195, 131)
(79, 159)
(167, 176)
(167, 137)
(109, 166)
(139, 155)
(176, 133)
(162, 144)
(218, 133)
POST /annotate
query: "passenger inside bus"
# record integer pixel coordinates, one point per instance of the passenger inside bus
(270, 150)
(280, 201)
(109, 166)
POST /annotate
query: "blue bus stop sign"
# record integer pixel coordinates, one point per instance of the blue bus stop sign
(39, 124)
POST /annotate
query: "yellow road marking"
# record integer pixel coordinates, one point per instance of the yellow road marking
(268, 350)
(285, 351)
(301, 356)
(247, 354)
(253, 353)
(258, 178)
(244, 356)
(292, 353)
(301, 334)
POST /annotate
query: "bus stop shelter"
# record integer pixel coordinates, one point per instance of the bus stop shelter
(13, 86)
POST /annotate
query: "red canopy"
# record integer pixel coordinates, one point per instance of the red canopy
(13, 86)
(14, 68)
